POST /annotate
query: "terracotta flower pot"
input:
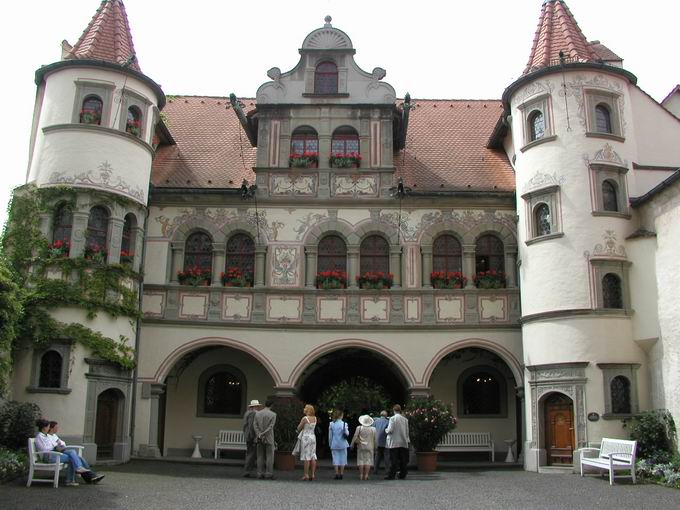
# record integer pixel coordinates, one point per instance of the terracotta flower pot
(427, 461)
(284, 461)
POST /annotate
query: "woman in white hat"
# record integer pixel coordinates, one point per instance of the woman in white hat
(364, 438)
(308, 442)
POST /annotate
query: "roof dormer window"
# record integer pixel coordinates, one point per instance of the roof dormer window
(326, 78)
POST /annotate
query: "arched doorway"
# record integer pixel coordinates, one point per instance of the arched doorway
(365, 381)
(558, 428)
(109, 416)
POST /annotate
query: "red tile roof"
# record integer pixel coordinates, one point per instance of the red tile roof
(445, 147)
(107, 37)
(558, 31)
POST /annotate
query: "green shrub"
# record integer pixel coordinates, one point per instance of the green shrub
(429, 420)
(655, 433)
(12, 464)
(17, 423)
(288, 414)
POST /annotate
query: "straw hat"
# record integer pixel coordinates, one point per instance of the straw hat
(254, 403)
(366, 420)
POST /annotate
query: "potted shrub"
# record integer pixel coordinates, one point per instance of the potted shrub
(491, 279)
(95, 253)
(234, 277)
(58, 249)
(331, 280)
(429, 420)
(375, 280)
(194, 276)
(288, 411)
(304, 160)
(448, 280)
(345, 160)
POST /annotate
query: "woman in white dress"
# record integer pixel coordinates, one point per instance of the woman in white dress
(308, 442)
(364, 438)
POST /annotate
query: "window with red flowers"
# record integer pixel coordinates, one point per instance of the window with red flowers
(332, 254)
(326, 78)
(134, 121)
(374, 254)
(446, 254)
(304, 140)
(91, 111)
(241, 255)
(489, 254)
(345, 141)
(198, 252)
(97, 229)
(127, 245)
(63, 223)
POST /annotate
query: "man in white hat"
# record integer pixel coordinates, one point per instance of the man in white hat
(249, 436)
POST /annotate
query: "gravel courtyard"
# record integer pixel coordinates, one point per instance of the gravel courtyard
(151, 485)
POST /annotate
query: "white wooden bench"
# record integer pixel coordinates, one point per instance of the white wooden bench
(53, 465)
(229, 440)
(467, 442)
(613, 455)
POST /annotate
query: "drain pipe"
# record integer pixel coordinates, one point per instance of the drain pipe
(138, 333)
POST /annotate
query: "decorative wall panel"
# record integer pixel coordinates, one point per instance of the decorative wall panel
(331, 309)
(450, 309)
(284, 309)
(236, 307)
(153, 304)
(193, 306)
(375, 309)
(492, 308)
(412, 309)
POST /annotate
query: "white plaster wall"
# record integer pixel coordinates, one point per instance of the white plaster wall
(641, 181)
(112, 327)
(644, 297)
(673, 104)
(156, 261)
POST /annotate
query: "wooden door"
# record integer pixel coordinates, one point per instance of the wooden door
(107, 421)
(559, 428)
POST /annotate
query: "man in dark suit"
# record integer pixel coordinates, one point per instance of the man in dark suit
(249, 437)
(263, 424)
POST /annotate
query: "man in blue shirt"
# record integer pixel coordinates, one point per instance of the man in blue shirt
(381, 454)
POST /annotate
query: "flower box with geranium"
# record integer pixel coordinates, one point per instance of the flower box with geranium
(194, 276)
(491, 279)
(375, 280)
(134, 127)
(95, 253)
(234, 277)
(331, 280)
(58, 249)
(448, 280)
(88, 116)
(429, 420)
(345, 160)
(126, 257)
(304, 160)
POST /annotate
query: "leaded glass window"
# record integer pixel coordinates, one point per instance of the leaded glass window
(332, 254)
(609, 198)
(304, 140)
(241, 255)
(91, 112)
(620, 393)
(198, 252)
(481, 394)
(50, 370)
(537, 125)
(326, 78)
(446, 254)
(489, 254)
(345, 141)
(97, 229)
(127, 245)
(603, 119)
(542, 219)
(133, 125)
(375, 255)
(222, 394)
(63, 223)
(612, 295)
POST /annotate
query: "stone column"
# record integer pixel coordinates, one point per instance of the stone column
(176, 259)
(155, 392)
(311, 253)
(324, 150)
(395, 265)
(78, 234)
(137, 246)
(352, 265)
(219, 259)
(511, 266)
(46, 225)
(427, 266)
(260, 260)
(469, 264)
(115, 240)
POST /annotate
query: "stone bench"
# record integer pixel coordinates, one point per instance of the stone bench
(467, 442)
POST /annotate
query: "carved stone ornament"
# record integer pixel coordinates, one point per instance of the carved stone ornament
(285, 266)
(292, 184)
(608, 155)
(542, 180)
(576, 89)
(101, 178)
(609, 248)
(354, 185)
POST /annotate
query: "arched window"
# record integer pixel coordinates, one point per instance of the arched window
(97, 231)
(542, 220)
(91, 111)
(332, 254)
(241, 257)
(221, 391)
(481, 393)
(446, 254)
(345, 141)
(612, 295)
(63, 222)
(374, 253)
(609, 196)
(134, 121)
(127, 245)
(326, 78)
(50, 370)
(198, 252)
(536, 125)
(620, 393)
(304, 140)
(603, 119)
(489, 254)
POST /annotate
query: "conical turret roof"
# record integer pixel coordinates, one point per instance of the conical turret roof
(558, 31)
(107, 37)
